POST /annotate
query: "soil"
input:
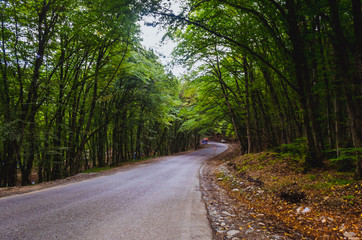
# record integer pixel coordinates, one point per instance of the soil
(228, 217)
(262, 196)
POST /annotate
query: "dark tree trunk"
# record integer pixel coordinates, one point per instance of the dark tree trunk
(11, 147)
(275, 99)
(348, 75)
(314, 158)
(139, 150)
(247, 105)
(58, 127)
(357, 79)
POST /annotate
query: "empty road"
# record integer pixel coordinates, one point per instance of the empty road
(153, 201)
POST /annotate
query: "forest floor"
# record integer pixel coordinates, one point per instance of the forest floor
(267, 196)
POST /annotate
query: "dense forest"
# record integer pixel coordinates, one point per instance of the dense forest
(277, 74)
(78, 90)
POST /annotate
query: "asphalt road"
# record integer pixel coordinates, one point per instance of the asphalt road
(153, 201)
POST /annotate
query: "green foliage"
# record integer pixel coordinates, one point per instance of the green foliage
(97, 169)
(324, 181)
(276, 71)
(312, 177)
(347, 159)
(297, 150)
(243, 168)
(339, 181)
(78, 90)
(9, 131)
(349, 197)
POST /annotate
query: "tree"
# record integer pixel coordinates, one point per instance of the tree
(74, 83)
(290, 45)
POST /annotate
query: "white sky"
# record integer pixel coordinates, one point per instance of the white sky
(152, 39)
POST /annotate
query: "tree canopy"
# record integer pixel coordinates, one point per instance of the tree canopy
(78, 90)
(281, 70)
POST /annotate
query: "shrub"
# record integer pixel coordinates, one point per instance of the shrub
(347, 159)
(298, 148)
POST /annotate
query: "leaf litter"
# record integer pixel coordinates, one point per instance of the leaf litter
(288, 203)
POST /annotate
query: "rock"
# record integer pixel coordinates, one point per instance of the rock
(342, 228)
(232, 232)
(306, 210)
(278, 237)
(330, 219)
(226, 213)
(260, 191)
(299, 209)
(349, 234)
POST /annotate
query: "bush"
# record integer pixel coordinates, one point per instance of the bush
(347, 159)
(298, 148)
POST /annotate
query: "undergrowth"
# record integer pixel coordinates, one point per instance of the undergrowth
(342, 159)
(333, 195)
(97, 169)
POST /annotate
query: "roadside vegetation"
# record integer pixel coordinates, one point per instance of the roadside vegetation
(272, 72)
(323, 203)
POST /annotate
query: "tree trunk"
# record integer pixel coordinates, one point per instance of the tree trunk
(314, 158)
(139, 150)
(247, 105)
(275, 99)
(11, 147)
(357, 118)
(349, 75)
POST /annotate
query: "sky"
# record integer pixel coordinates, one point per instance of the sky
(152, 39)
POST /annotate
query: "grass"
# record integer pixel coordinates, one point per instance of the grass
(341, 182)
(349, 197)
(312, 177)
(97, 169)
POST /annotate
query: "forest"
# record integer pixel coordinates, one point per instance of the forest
(78, 90)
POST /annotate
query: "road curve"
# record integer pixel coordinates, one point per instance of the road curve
(155, 201)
